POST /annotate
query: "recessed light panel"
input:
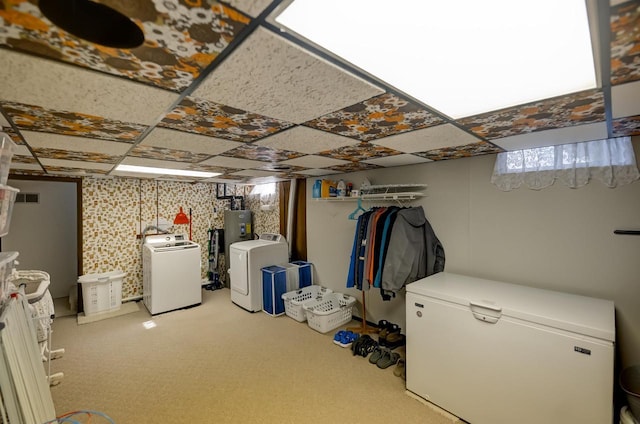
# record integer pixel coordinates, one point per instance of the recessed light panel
(462, 58)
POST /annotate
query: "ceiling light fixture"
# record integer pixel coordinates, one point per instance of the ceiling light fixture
(165, 171)
(93, 22)
(462, 58)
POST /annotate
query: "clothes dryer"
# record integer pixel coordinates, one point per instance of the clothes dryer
(247, 258)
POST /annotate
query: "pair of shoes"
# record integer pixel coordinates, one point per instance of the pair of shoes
(401, 369)
(345, 338)
(364, 346)
(386, 358)
(390, 335)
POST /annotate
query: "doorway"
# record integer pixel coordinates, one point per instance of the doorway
(45, 229)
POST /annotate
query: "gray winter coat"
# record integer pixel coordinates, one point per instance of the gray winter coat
(414, 251)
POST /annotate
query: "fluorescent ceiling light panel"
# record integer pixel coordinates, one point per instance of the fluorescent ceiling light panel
(462, 58)
(165, 171)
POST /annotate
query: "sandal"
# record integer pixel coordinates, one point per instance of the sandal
(395, 340)
(377, 354)
(388, 358)
(389, 330)
(345, 338)
(400, 369)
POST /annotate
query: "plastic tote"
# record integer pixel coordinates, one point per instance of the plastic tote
(101, 292)
(630, 383)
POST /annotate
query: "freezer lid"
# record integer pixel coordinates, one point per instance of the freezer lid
(578, 314)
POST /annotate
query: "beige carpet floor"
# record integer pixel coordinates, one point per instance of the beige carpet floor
(216, 363)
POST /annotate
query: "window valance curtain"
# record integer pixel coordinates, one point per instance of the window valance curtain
(610, 161)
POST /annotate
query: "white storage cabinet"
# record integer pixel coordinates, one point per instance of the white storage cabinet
(498, 353)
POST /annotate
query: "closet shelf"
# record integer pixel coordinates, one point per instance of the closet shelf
(391, 192)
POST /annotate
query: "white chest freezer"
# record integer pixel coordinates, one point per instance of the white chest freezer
(499, 353)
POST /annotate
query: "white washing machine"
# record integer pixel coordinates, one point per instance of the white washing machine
(171, 276)
(246, 260)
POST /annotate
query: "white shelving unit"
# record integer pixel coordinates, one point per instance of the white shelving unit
(384, 192)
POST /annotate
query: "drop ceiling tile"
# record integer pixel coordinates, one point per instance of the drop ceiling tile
(14, 136)
(574, 109)
(255, 173)
(71, 166)
(218, 120)
(21, 150)
(223, 179)
(46, 153)
(361, 151)
(355, 166)
(160, 153)
(155, 163)
(262, 153)
(4, 122)
(375, 118)
(180, 140)
(313, 161)
(625, 99)
(25, 166)
(554, 137)
(281, 168)
(436, 137)
(270, 75)
(306, 140)
(39, 140)
(226, 162)
(625, 42)
(397, 160)
(316, 172)
(181, 39)
(250, 7)
(52, 85)
(626, 126)
(207, 168)
(476, 149)
(36, 118)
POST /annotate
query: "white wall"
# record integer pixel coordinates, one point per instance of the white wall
(45, 233)
(557, 238)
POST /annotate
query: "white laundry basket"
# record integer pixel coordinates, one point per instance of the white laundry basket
(101, 292)
(39, 298)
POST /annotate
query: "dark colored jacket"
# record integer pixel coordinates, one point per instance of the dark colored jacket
(414, 251)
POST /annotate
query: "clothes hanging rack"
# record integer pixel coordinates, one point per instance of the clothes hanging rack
(363, 328)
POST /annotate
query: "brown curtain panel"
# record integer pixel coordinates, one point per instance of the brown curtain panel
(298, 239)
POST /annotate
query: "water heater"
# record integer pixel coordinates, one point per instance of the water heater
(238, 226)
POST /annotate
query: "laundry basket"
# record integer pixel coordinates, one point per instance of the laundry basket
(630, 383)
(294, 300)
(40, 301)
(330, 312)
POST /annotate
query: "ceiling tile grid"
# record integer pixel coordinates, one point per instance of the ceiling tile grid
(272, 76)
(578, 108)
(625, 42)
(36, 118)
(266, 108)
(180, 39)
(376, 117)
(217, 120)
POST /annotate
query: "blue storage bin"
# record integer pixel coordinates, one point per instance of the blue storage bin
(305, 273)
(274, 285)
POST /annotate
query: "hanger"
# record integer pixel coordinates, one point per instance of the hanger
(359, 208)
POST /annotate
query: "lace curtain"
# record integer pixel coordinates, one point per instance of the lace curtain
(610, 161)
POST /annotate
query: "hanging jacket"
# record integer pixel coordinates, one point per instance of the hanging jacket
(414, 251)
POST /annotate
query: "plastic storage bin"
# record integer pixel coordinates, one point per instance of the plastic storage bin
(330, 312)
(7, 147)
(294, 300)
(274, 284)
(101, 292)
(6, 267)
(7, 199)
(305, 273)
(630, 383)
